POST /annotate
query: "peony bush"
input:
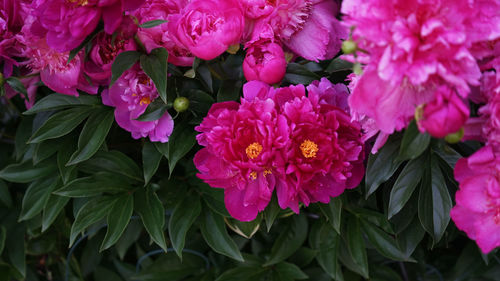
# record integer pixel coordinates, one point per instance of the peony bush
(249, 140)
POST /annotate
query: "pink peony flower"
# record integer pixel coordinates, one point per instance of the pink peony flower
(208, 27)
(412, 48)
(11, 21)
(444, 115)
(265, 62)
(159, 36)
(130, 95)
(240, 144)
(477, 211)
(68, 23)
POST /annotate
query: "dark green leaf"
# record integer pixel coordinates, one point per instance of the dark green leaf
(381, 166)
(36, 197)
(199, 101)
(183, 216)
(434, 202)
(271, 212)
(215, 234)
(16, 248)
(288, 271)
(151, 160)
(243, 273)
(131, 234)
(449, 155)
(246, 229)
(152, 23)
(60, 124)
(152, 213)
(289, 240)
(54, 206)
(154, 111)
(411, 236)
(26, 172)
(356, 245)
(57, 101)
(63, 156)
(45, 149)
(155, 66)
(384, 273)
(94, 185)
(23, 134)
(374, 217)
(299, 74)
(17, 85)
(90, 213)
(414, 143)
(405, 185)
(333, 212)
(82, 45)
(113, 161)
(229, 90)
(339, 64)
(118, 218)
(180, 142)
(123, 62)
(5, 197)
(93, 135)
(383, 242)
(3, 236)
(325, 241)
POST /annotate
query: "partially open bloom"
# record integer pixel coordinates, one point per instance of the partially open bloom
(208, 27)
(478, 200)
(446, 114)
(130, 95)
(265, 62)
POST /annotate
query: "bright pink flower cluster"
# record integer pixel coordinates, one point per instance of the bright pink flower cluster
(305, 147)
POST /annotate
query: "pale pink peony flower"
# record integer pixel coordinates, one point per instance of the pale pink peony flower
(477, 211)
(130, 95)
(240, 147)
(208, 27)
(444, 115)
(412, 48)
(159, 36)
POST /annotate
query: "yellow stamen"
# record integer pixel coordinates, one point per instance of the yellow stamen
(80, 2)
(267, 172)
(253, 175)
(145, 100)
(309, 148)
(253, 150)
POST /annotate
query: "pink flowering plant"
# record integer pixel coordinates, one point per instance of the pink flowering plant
(249, 140)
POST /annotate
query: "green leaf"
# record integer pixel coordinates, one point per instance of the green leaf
(405, 185)
(374, 217)
(54, 206)
(123, 62)
(288, 271)
(199, 101)
(23, 133)
(26, 172)
(180, 143)
(333, 212)
(36, 197)
(5, 197)
(339, 64)
(85, 42)
(434, 202)
(154, 111)
(414, 143)
(449, 155)
(63, 155)
(16, 248)
(118, 218)
(383, 242)
(60, 124)
(57, 101)
(326, 242)
(271, 212)
(381, 166)
(243, 273)
(215, 234)
(93, 135)
(3, 236)
(246, 229)
(131, 234)
(90, 213)
(289, 240)
(409, 238)
(183, 216)
(94, 185)
(112, 161)
(155, 66)
(152, 23)
(17, 85)
(152, 213)
(45, 149)
(151, 160)
(356, 245)
(229, 90)
(299, 74)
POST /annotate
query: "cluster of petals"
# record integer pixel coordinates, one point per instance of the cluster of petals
(306, 148)
(411, 50)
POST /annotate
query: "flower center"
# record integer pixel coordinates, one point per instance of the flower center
(253, 150)
(145, 100)
(253, 175)
(79, 2)
(309, 148)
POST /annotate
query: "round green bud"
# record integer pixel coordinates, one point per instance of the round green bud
(181, 104)
(349, 47)
(455, 137)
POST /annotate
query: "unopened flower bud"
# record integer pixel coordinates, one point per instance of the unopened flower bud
(349, 47)
(455, 137)
(181, 104)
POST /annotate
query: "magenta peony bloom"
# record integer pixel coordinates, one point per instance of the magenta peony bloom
(11, 22)
(130, 95)
(69, 22)
(477, 211)
(444, 115)
(240, 148)
(159, 36)
(265, 62)
(412, 47)
(208, 27)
